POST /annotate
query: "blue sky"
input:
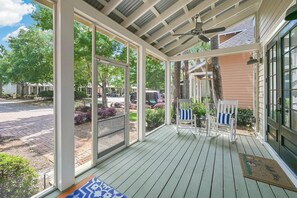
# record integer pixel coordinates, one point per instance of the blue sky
(14, 14)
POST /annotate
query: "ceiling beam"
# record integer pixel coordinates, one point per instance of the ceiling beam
(221, 8)
(180, 20)
(85, 10)
(218, 52)
(139, 12)
(177, 48)
(109, 7)
(167, 13)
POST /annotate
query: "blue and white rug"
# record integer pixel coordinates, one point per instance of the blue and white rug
(96, 188)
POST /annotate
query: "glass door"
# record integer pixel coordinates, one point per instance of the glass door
(113, 111)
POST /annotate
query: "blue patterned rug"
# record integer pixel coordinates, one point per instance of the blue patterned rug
(96, 188)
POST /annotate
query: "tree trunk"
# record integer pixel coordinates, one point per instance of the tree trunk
(1, 89)
(186, 93)
(217, 77)
(104, 92)
(176, 81)
(22, 90)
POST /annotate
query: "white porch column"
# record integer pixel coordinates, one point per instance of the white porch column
(191, 86)
(141, 92)
(167, 92)
(64, 94)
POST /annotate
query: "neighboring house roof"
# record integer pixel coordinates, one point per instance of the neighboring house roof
(246, 36)
(197, 66)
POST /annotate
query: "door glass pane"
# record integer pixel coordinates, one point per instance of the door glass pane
(294, 38)
(286, 100)
(294, 99)
(286, 43)
(270, 83)
(286, 117)
(274, 59)
(273, 112)
(286, 61)
(274, 82)
(294, 79)
(271, 96)
(294, 58)
(111, 111)
(294, 118)
(286, 80)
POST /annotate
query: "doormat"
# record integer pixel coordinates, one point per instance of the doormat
(265, 170)
(92, 187)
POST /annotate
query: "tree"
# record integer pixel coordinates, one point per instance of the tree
(3, 67)
(176, 80)
(155, 74)
(31, 57)
(186, 93)
(217, 77)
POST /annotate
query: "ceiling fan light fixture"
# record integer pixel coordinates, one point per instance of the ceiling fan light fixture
(291, 13)
(252, 61)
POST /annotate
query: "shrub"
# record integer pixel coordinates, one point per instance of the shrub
(159, 105)
(46, 94)
(118, 105)
(244, 117)
(82, 117)
(17, 178)
(107, 112)
(155, 117)
(79, 95)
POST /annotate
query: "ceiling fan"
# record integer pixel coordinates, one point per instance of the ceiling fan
(198, 31)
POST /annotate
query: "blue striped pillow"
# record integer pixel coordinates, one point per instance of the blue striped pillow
(185, 114)
(224, 118)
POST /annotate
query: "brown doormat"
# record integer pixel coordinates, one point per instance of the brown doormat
(265, 170)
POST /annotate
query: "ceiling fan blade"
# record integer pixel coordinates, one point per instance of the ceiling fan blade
(203, 38)
(186, 40)
(214, 30)
(182, 34)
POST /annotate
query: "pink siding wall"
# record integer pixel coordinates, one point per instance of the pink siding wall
(237, 79)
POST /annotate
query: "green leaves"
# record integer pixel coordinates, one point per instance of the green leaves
(17, 178)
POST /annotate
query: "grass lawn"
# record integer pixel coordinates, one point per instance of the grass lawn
(133, 116)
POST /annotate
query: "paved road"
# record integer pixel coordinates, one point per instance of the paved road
(31, 124)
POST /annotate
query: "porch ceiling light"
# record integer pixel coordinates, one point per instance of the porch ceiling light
(291, 13)
(252, 61)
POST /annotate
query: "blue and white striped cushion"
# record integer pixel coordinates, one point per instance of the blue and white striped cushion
(185, 114)
(224, 118)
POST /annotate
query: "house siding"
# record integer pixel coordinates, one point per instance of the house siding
(237, 78)
(270, 15)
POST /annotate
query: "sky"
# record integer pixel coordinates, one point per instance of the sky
(14, 15)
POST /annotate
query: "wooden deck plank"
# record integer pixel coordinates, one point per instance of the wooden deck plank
(218, 175)
(252, 185)
(112, 174)
(240, 184)
(151, 175)
(229, 189)
(183, 183)
(171, 165)
(192, 189)
(173, 172)
(206, 181)
(130, 173)
(143, 173)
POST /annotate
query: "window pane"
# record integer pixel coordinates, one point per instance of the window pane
(287, 117)
(294, 118)
(286, 61)
(294, 38)
(274, 82)
(270, 97)
(294, 79)
(294, 58)
(294, 99)
(273, 112)
(286, 43)
(286, 80)
(286, 100)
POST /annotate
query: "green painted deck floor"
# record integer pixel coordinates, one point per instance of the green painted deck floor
(171, 165)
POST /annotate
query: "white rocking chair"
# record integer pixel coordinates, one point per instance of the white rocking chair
(185, 119)
(226, 119)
